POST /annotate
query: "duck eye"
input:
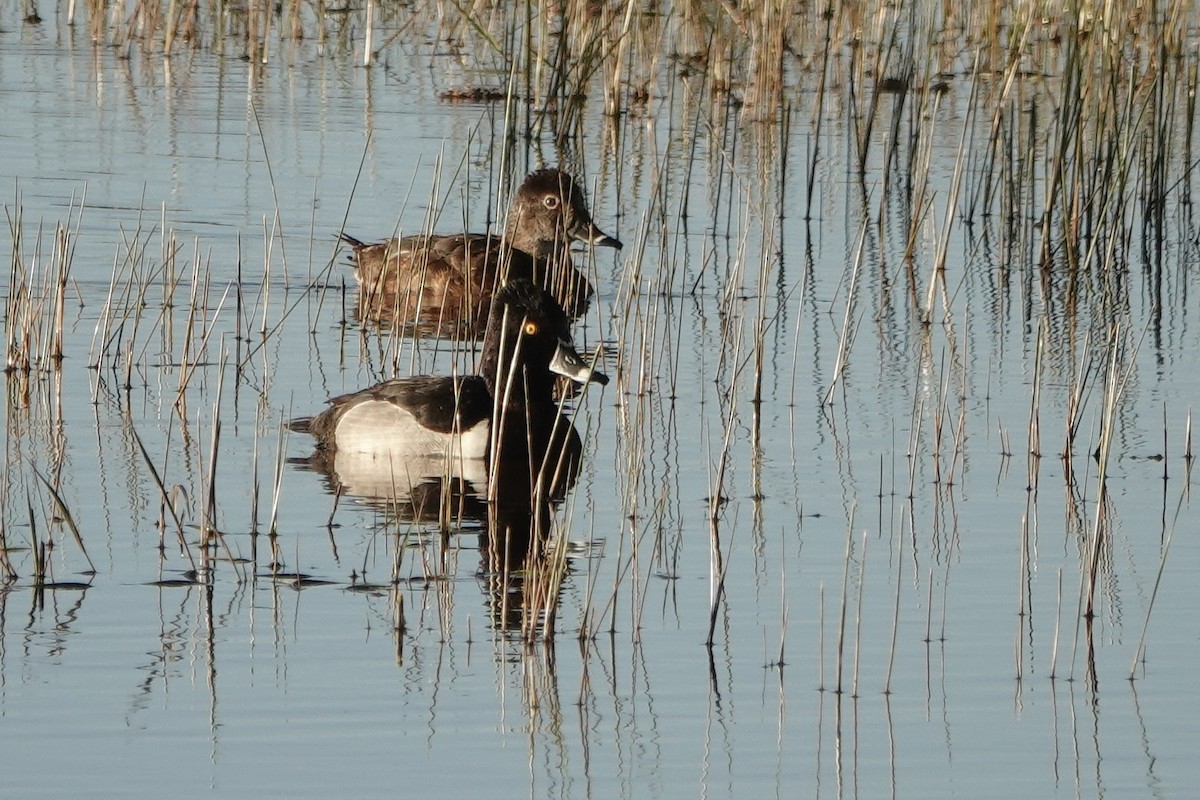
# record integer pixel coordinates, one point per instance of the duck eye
(531, 328)
(551, 201)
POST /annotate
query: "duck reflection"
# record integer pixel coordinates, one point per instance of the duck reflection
(452, 491)
(511, 505)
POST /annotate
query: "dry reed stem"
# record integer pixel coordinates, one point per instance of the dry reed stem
(1033, 448)
(887, 680)
(165, 498)
(1187, 439)
(858, 611)
(1117, 377)
(1023, 577)
(849, 330)
(1053, 670)
(65, 515)
(843, 606)
(277, 477)
(1164, 550)
(37, 547)
(821, 637)
(6, 566)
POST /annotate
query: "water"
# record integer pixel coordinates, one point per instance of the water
(961, 551)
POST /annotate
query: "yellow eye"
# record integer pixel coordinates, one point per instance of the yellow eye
(531, 328)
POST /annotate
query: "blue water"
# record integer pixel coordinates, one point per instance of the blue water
(962, 551)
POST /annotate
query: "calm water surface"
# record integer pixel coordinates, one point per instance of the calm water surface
(896, 542)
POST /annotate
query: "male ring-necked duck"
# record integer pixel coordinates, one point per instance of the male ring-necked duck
(448, 280)
(506, 413)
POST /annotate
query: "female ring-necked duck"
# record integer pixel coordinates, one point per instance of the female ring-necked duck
(506, 413)
(449, 279)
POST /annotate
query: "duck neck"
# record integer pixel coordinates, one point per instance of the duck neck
(516, 390)
(523, 400)
(520, 432)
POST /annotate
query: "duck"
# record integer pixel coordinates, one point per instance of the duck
(504, 416)
(447, 280)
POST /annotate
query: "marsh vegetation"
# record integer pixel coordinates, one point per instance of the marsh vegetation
(903, 348)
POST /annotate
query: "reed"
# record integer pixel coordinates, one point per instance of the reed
(858, 614)
(780, 662)
(277, 479)
(821, 638)
(63, 514)
(35, 307)
(7, 570)
(38, 547)
(1033, 448)
(1117, 376)
(1164, 551)
(1053, 670)
(545, 572)
(891, 662)
(167, 500)
(844, 607)
(1188, 457)
(929, 639)
(717, 493)
(849, 321)
(1023, 611)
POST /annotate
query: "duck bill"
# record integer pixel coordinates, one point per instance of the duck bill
(568, 363)
(592, 235)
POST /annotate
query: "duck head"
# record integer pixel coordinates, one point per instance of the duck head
(549, 212)
(528, 343)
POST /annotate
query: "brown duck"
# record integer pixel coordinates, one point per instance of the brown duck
(446, 281)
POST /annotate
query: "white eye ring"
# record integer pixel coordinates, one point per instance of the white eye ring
(551, 201)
